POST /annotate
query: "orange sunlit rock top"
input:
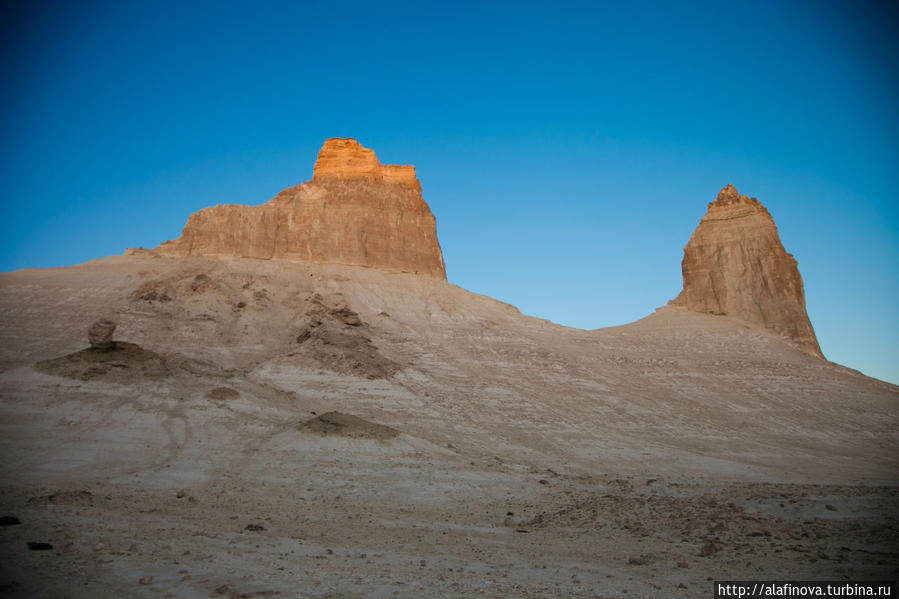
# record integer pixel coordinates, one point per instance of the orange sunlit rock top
(343, 158)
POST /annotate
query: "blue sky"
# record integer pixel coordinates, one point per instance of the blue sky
(567, 149)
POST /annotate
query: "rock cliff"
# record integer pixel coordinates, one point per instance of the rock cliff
(735, 264)
(347, 159)
(354, 211)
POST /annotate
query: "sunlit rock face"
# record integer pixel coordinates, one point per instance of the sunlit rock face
(347, 159)
(735, 264)
(354, 211)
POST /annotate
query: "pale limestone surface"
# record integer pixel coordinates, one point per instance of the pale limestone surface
(638, 460)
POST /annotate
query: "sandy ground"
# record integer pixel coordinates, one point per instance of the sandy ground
(474, 451)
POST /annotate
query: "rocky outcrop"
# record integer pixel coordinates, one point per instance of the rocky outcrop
(99, 335)
(735, 264)
(354, 211)
(347, 159)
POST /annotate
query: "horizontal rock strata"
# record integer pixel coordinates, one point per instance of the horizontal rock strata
(354, 211)
(735, 264)
(347, 159)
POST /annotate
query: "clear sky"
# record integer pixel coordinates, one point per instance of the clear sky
(567, 149)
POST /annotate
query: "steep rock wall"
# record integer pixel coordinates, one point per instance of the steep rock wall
(354, 211)
(735, 264)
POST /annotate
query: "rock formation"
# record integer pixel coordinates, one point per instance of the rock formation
(735, 264)
(354, 211)
(347, 159)
(99, 335)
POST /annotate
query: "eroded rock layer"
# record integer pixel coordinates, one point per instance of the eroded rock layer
(346, 159)
(735, 264)
(355, 211)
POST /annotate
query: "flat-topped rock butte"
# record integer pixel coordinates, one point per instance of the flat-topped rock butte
(354, 211)
(357, 211)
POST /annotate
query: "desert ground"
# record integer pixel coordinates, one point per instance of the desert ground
(280, 429)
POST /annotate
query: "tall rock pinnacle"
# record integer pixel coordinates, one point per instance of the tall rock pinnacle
(354, 211)
(735, 264)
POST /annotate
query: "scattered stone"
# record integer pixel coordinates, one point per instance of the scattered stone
(347, 425)
(34, 546)
(153, 291)
(9, 521)
(830, 507)
(145, 580)
(709, 548)
(346, 316)
(255, 527)
(683, 565)
(223, 393)
(181, 494)
(100, 334)
(222, 590)
(638, 561)
(201, 283)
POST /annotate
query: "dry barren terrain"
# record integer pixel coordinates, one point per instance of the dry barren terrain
(280, 429)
